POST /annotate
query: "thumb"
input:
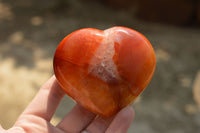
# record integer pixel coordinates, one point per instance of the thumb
(1, 129)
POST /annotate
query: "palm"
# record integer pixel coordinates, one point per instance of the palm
(36, 117)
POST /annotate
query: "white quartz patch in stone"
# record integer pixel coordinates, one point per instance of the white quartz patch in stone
(103, 66)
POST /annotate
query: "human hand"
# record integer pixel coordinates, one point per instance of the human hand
(36, 117)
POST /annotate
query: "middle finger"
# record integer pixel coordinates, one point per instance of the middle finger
(99, 125)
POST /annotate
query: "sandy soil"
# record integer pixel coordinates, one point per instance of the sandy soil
(30, 33)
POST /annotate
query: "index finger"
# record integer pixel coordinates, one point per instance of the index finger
(46, 101)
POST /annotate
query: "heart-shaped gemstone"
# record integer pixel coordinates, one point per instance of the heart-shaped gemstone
(104, 71)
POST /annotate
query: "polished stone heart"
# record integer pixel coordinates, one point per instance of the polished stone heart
(104, 71)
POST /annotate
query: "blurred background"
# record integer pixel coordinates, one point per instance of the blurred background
(30, 31)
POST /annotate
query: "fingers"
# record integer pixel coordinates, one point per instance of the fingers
(79, 119)
(99, 125)
(122, 121)
(46, 101)
(115, 124)
(76, 120)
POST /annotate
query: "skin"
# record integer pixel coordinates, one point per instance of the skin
(36, 117)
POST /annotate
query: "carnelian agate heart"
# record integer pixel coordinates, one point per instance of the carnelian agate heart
(104, 71)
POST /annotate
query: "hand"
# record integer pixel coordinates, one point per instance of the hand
(36, 117)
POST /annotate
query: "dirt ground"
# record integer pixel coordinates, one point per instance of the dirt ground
(30, 32)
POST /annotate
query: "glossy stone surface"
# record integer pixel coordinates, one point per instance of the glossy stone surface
(104, 71)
